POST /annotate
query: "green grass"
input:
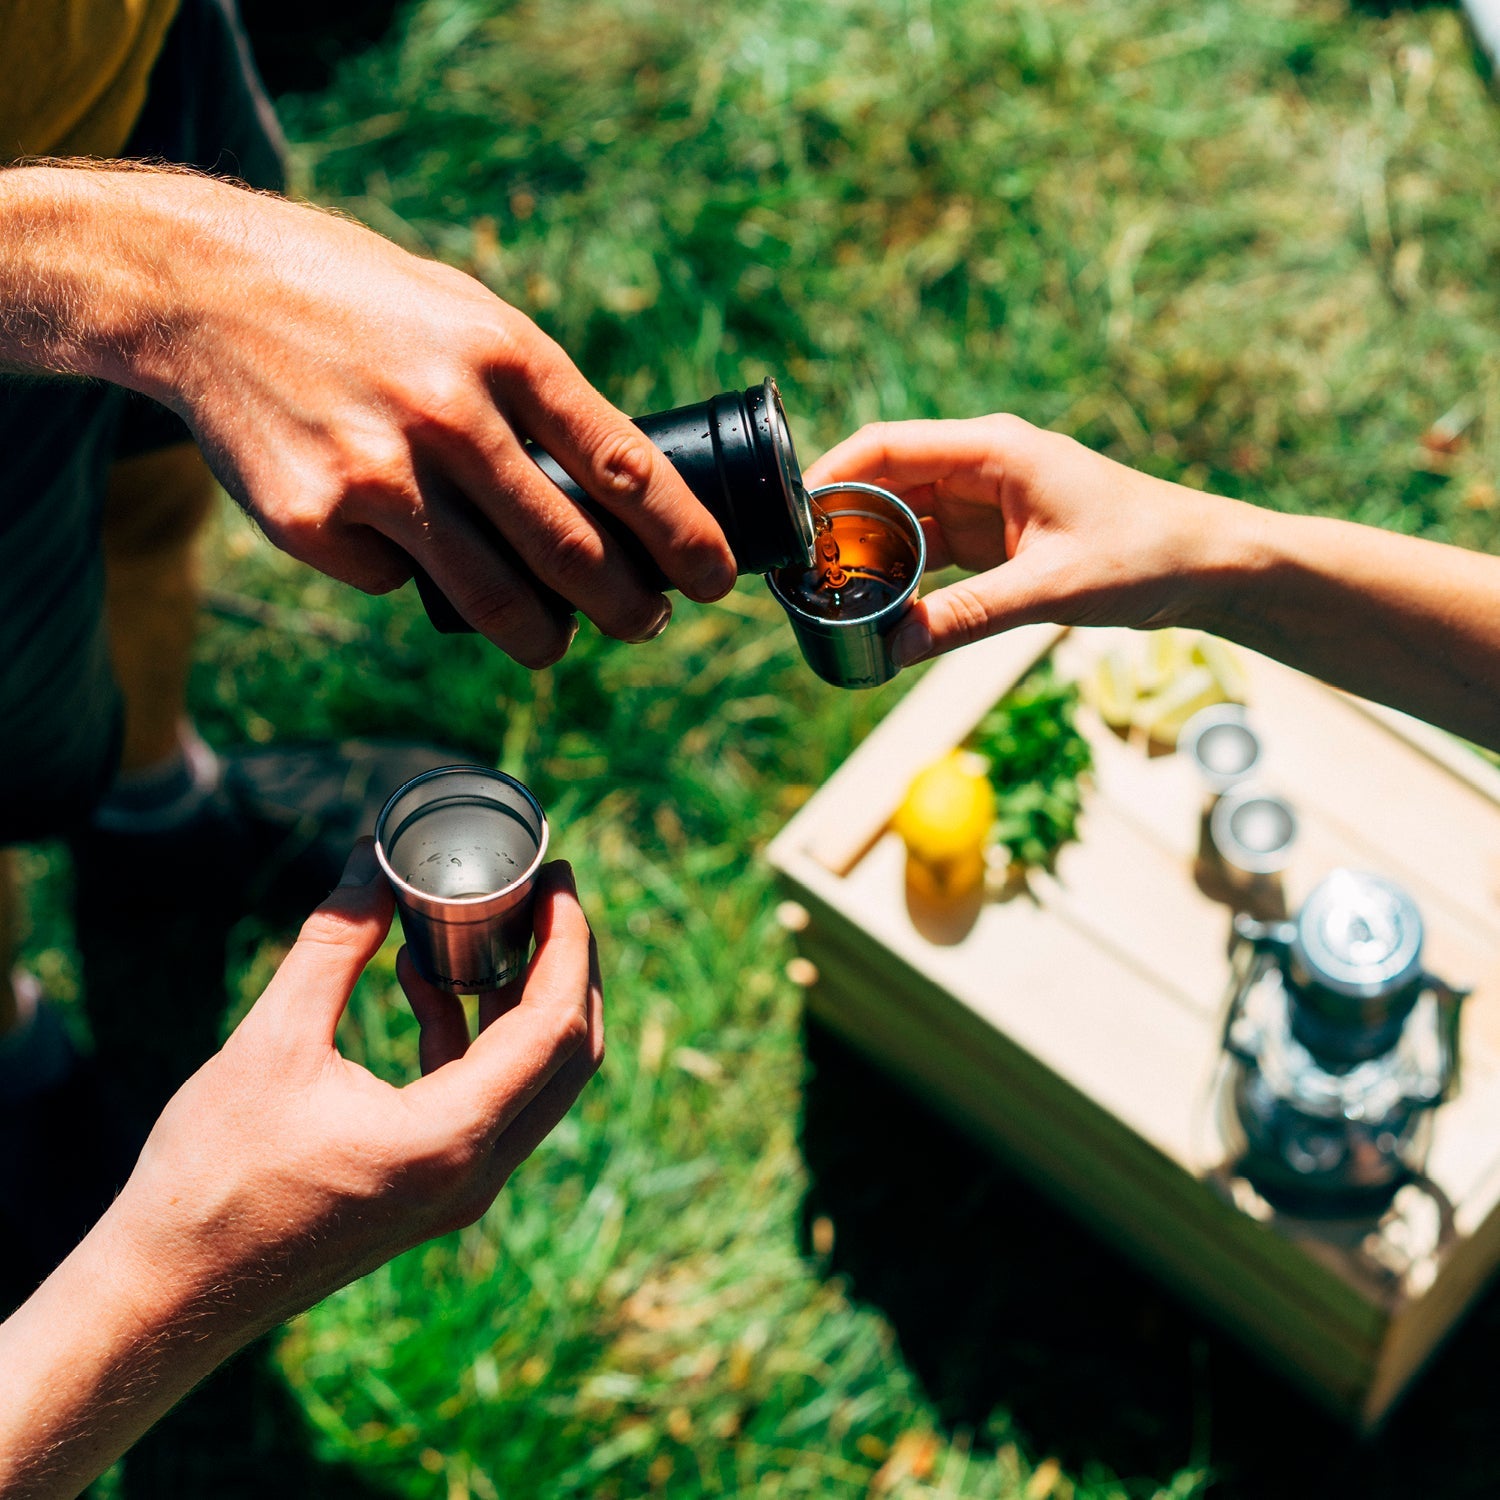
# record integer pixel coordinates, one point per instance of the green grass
(1252, 246)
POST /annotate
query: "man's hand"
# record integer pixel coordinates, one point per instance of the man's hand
(367, 406)
(280, 1171)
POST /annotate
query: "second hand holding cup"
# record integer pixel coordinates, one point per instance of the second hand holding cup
(461, 846)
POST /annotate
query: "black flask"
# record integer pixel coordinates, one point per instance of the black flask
(735, 453)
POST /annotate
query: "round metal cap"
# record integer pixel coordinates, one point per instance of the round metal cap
(1358, 935)
(769, 426)
(1222, 746)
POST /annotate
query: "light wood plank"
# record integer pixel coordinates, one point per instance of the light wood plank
(1419, 823)
(838, 825)
(1072, 1005)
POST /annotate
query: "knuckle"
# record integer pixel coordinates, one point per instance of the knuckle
(573, 554)
(383, 577)
(1015, 435)
(967, 612)
(626, 463)
(511, 345)
(298, 521)
(454, 281)
(433, 1167)
(376, 468)
(460, 1214)
(521, 629)
(880, 438)
(496, 607)
(1007, 426)
(570, 1031)
(466, 1208)
(329, 927)
(442, 398)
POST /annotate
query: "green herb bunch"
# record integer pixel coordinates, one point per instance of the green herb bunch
(1036, 759)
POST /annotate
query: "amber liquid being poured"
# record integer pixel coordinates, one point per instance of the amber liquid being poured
(860, 565)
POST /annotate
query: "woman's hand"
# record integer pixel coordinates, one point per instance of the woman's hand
(1052, 530)
(1056, 532)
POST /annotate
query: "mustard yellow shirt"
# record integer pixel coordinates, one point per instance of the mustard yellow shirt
(73, 73)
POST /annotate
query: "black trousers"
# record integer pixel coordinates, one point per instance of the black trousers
(60, 714)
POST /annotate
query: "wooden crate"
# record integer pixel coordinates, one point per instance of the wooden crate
(1078, 1027)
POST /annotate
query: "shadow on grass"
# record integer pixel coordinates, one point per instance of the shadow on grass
(1001, 1300)
(240, 1436)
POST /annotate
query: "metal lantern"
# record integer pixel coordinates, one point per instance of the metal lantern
(1342, 1045)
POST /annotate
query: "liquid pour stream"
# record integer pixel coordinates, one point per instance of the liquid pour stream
(838, 590)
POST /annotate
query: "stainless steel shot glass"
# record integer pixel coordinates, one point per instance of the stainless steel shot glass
(1221, 745)
(461, 845)
(1252, 832)
(880, 541)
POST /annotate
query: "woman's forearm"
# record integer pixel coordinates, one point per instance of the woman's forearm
(1053, 531)
(1411, 623)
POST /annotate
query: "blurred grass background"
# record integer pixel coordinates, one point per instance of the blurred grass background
(1250, 246)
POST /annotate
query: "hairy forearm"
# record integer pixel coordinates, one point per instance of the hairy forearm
(107, 1344)
(1410, 623)
(103, 270)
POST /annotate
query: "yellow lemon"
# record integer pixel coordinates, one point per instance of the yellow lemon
(1226, 664)
(945, 821)
(1164, 714)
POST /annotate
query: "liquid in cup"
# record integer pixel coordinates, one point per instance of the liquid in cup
(859, 568)
(868, 556)
(461, 846)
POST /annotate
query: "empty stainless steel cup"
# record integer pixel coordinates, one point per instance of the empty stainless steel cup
(1251, 834)
(1222, 746)
(845, 632)
(461, 845)
(1254, 830)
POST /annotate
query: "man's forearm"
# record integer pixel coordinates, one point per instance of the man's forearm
(105, 1346)
(1411, 623)
(99, 268)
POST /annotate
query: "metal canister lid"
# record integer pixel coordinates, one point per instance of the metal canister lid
(1358, 935)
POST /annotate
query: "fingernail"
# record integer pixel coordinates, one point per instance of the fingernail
(570, 635)
(716, 581)
(659, 624)
(911, 643)
(362, 867)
